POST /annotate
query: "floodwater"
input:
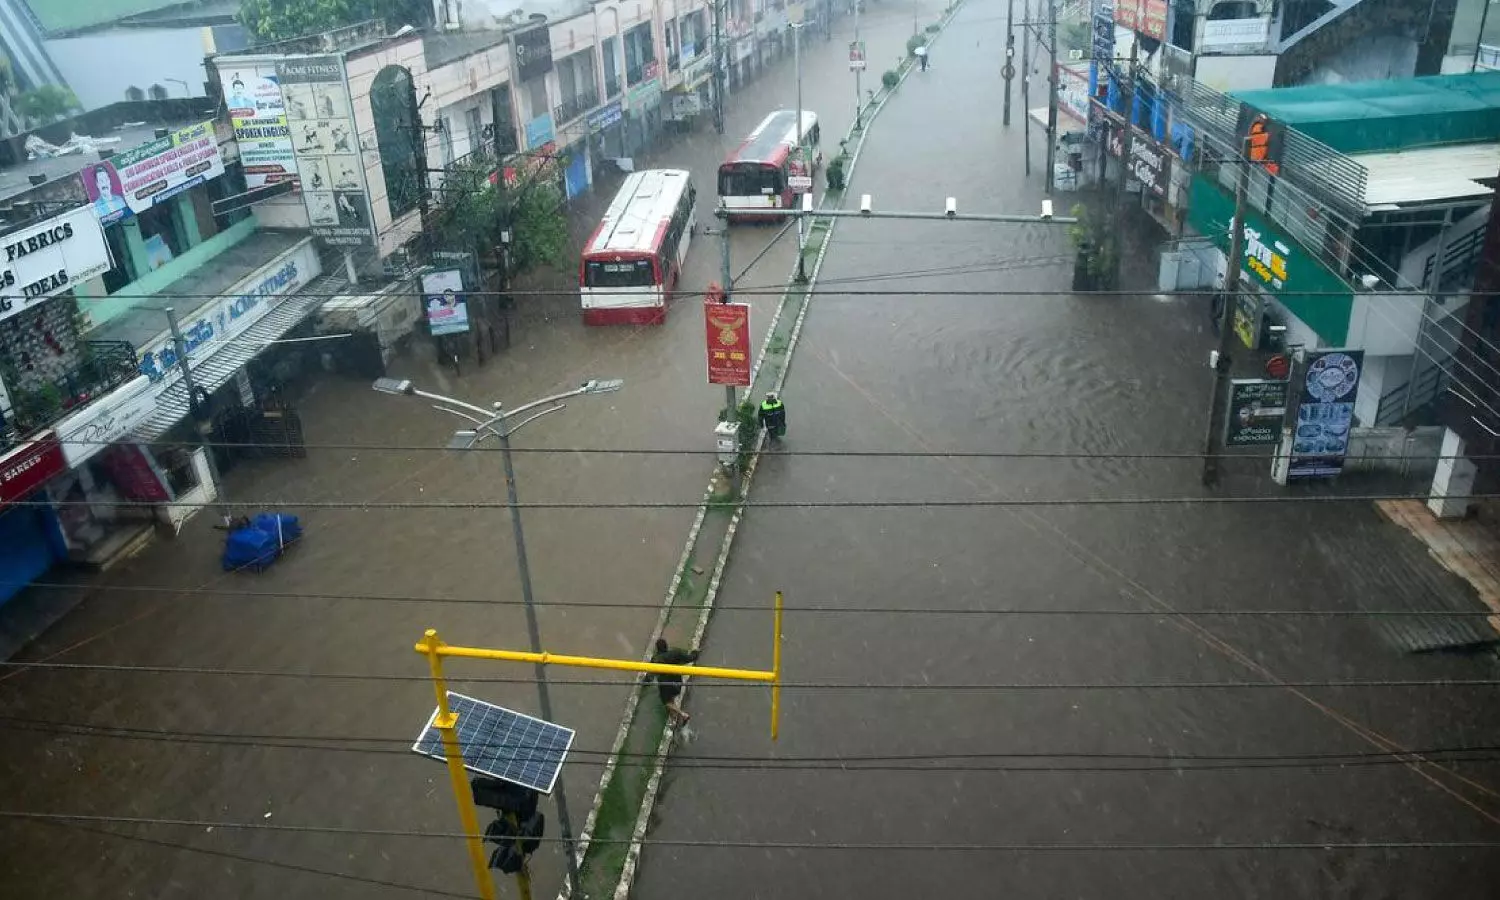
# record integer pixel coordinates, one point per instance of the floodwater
(936, 743)
(280, 749)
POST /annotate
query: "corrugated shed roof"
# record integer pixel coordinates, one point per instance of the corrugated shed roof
(1365, 116)
(72, 15)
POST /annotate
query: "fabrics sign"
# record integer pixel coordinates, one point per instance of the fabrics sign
(258, 116)
(326, 145)
(41, 260)
(1325, 413)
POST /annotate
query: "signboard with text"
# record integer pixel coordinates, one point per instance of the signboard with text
(137, 179)
(856, 56)
(105, 421)
(443, 302)
(1256, 410)
(326, 145)
(28, 467)
(50, 257)
(1150, 164)
(728, 334)
(1127, 13)
(532, 51)
(1325, 413)
(1151, 19)
(258, 117)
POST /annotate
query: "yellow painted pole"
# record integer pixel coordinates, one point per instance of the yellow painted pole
(447, 725)
(590, 662)
(776, 671)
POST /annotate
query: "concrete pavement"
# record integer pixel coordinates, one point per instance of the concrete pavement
(1049, 373)
(187, 613)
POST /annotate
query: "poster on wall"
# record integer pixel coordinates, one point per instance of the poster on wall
(1325, 413)
(326, 146)
(137, 179)
(443, 302)
(258, 117)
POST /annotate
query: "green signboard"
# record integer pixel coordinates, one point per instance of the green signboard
(1256, 409)
(1275, 263)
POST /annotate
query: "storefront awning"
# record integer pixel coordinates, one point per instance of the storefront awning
(214, 371)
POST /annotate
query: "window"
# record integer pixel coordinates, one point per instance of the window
(445, 139)
(610, 48)
(670, 32)
(627, 273)
(537, 97)
(749, 180)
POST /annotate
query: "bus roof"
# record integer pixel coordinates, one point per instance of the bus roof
(634, 220)
(773, 137)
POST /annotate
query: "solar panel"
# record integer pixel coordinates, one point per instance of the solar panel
(501, 743)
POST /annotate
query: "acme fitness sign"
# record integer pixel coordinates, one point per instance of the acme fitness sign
(41, 260)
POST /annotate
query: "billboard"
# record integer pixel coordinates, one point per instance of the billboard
(136, 180)
(41, 260)
(258, 117)
(532, 50)
(326, 146)
(1325, 413)
(728, 341)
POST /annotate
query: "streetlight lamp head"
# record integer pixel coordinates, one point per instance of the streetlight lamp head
(400, 386)
(463, 439)
(603, 385)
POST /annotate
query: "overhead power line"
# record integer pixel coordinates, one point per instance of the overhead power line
(999, 503)
(158, 591)
(1060, 847)
(1090, 763)
(790, 685)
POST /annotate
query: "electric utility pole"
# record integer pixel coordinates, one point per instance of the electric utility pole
(1026, 82)
(1213, 440)
(859, 95)
(719, 65)
(726, 277)
(1008, 71)
(1051, 92)
(1127, 143)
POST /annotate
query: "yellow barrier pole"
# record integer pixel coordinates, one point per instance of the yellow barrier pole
(620, 665)
(776, 670)
(447, 725)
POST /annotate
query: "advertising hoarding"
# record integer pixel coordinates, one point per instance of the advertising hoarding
(443, 302)
(728, 340)
(136, 180)
(258, 116)
(532, 50)
(1257, 408)
(1325, 413)
(326, 145)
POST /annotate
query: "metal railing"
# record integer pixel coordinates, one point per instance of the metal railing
(102, 366)
(575, 106)
(1401, 401)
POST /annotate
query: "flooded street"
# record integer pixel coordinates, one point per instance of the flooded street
(979, 680)
(268, 743)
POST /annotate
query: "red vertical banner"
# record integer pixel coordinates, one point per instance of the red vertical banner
(1127, 13)
(1151, 19)
(728, 333)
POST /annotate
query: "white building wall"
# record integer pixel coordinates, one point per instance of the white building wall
(101, 67)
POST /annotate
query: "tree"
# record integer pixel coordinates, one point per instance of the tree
(540, 228)
(276, 20)
(471, 213)
(47, 103)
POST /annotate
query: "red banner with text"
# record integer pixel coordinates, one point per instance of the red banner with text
(728, 333)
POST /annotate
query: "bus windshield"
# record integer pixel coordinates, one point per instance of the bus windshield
(749, 180)
(626, 273)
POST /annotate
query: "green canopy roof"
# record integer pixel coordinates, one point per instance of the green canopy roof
(1397, 114)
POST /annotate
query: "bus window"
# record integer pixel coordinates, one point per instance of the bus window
(627, 273)
(749, 180)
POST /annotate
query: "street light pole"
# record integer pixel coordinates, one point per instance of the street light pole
(801, 150)
(497, 422)
(1008, 71)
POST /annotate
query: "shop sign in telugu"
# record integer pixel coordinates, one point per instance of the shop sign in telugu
(138, 179)
(1256, 409)
(49, 258)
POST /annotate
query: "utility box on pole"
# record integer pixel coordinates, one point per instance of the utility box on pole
(727, 443)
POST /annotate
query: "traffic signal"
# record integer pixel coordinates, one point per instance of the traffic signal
(509, 831)
(503, 796)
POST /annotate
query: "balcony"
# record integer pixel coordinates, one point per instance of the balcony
(575, 106)
(641, 71)
(102, 366)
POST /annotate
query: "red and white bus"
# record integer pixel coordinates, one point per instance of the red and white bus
(634, 258)
(756, 176)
